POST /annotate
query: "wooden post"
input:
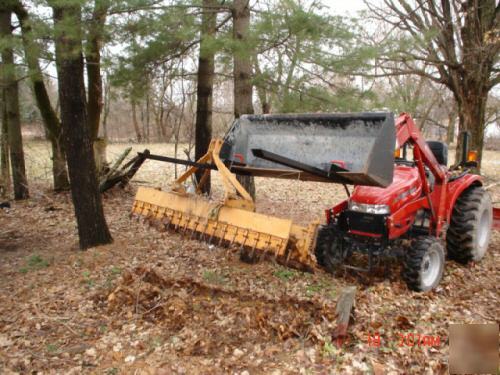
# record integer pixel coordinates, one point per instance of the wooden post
(343, 310)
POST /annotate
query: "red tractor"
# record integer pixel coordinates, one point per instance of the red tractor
(407, 204)
(427, 213)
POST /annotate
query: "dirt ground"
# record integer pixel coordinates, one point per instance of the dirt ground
(158, 303)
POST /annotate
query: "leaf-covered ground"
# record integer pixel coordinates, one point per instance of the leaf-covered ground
(158, 303)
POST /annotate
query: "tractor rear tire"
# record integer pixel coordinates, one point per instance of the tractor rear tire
(469, 232)
(423, 264)
(328, 249)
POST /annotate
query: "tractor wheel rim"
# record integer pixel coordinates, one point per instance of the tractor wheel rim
(483, 231)
(430, 267)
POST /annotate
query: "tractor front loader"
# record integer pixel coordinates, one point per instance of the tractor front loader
(406, 203)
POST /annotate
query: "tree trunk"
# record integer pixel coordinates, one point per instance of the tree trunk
(471, 117)
(92, 227)
(471, 83)
(450, 132)
(242, 72)
(261, 90)
(147, 132)
(4, 151)
(106, 109)
(59, 170)
(93, 59)
(50, 120)
(11, 98)
(137, 130)
(94, 81)
(101, 160)
(203, 125)
(462, 51)
(242, 60)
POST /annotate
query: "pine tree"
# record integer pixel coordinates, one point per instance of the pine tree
(92, 227)
(10, 93)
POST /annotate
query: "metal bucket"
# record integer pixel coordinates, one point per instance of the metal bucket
(361, 144)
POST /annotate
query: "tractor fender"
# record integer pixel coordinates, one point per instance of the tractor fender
(457, 187)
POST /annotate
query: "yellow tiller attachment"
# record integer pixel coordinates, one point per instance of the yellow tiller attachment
(232, 221)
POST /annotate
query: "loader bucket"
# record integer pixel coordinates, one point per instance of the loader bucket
(360, 146)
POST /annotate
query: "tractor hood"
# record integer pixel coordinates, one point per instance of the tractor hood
(404, 187)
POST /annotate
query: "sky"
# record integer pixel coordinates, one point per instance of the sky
(345, 6)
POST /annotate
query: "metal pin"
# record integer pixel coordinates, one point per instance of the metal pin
(162, 213)
(268, 243)
(267, 246)
(204, 231)
(166, 220)
(172, 219)
(252, 252)
(186, 226)
(176, 222)
(194, 228)
(234, 237)
(245, 239)
(213, 233)
(179, 223)
(276, 253)
(223, 235)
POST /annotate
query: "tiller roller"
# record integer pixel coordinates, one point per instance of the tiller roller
(341, 148)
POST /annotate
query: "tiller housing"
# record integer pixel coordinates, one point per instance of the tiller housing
(232, 221)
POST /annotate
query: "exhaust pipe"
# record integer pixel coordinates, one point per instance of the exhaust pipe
(465, 147)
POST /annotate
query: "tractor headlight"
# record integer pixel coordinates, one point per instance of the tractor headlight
(380, 209)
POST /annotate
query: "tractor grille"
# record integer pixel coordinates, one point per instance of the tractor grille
(368, 223)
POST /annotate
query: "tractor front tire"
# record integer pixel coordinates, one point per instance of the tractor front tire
(469, 232)
(328, 249)
(423, 264)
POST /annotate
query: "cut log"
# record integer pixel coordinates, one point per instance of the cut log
(124, 174)
(114, 169)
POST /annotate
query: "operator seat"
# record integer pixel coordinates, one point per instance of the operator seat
(440, 151)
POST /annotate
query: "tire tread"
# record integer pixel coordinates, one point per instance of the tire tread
(460, 235)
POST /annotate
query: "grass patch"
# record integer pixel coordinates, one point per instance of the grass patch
(113, 273)
(33, 263)
(87, 279)
(52, 348)
(285, 274)
(214, 277)
(328, 349)
(155, 342)
(326, 289)
(313, 289)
